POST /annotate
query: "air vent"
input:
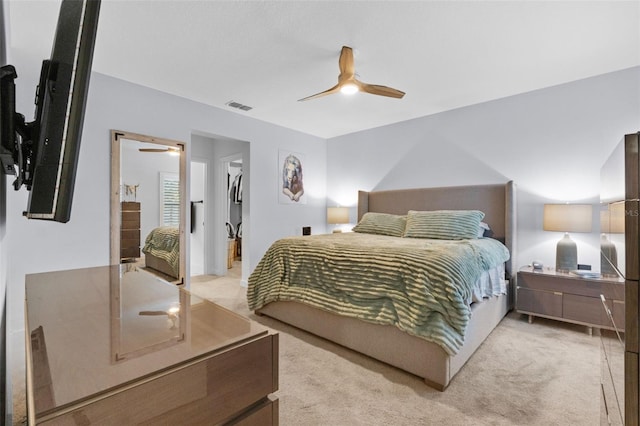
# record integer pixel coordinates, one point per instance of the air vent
(238, 105)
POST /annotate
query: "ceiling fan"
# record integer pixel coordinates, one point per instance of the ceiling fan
(171, 314)
(348, 84)
(169, 149)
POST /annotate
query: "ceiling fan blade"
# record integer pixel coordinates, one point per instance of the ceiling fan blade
(375, 89)
(153, 149)
(167, 149)
(347, 70)
(334, 89)
(152, 313)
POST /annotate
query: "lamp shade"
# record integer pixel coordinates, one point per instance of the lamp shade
(612, 219)
(337, 215)
(567, 217)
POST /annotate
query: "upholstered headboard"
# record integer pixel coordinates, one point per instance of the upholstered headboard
(498, 202)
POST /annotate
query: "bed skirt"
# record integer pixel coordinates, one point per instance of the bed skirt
(158, 264)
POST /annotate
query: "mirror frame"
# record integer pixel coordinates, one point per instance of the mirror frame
(116, 136)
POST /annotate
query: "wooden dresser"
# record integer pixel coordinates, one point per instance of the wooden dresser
(114, 345)
(129, 230)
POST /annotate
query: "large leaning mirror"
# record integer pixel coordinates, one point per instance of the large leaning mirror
(148, 186)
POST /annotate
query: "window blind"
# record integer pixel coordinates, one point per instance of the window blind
(169, 199)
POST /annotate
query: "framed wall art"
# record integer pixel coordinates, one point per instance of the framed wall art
(290, 181)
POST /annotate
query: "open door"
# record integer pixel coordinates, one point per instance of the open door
(198, 209)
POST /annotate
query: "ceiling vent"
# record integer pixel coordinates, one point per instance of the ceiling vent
(238, 105)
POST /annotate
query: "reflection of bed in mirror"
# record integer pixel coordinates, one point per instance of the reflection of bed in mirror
(162, 250)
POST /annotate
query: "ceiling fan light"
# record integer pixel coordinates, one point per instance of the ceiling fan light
(349, 89)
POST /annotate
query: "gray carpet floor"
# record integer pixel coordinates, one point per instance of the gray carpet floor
(545, 373)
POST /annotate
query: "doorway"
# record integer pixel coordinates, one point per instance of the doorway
(217, 152)
(198, 210)
(233, 200)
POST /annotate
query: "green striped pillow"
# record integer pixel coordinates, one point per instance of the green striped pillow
(381, 224)
(443, 224)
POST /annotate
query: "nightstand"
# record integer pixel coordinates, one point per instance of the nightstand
(567, 297)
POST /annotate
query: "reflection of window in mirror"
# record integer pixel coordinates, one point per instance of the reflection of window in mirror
(169, 199)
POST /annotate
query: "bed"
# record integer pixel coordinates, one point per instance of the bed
(162, 250)
(435, 360)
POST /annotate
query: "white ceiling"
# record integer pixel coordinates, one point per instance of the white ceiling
(269, 54)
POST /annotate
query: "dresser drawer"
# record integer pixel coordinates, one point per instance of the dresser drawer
(132, 237)
(130, 205)
(132, 219)
(130, 252)
(130, 224)
(264, 414)
(210, 391)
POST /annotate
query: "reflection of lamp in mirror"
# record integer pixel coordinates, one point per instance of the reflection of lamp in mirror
(567, 218)
(611, 222)
(337, 216)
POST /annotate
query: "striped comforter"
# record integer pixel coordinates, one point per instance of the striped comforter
(419, 285)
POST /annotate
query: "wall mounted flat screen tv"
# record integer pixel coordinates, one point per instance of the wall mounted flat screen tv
(43, 154)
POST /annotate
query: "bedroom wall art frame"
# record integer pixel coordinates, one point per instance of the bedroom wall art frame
(122, 141)
(291, 177)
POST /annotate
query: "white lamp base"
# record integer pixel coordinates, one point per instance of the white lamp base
(566, 254)
(608, 257)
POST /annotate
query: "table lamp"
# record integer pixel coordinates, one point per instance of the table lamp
(567, 218)
(611, 222)
(337, 215)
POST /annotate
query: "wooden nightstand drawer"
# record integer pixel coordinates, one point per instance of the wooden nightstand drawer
(583, 309)
(539, 301)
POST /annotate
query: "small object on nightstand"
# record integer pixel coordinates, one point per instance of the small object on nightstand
(536, 264)
(586, 273)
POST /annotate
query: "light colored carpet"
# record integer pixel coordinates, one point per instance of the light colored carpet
(545, 373)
